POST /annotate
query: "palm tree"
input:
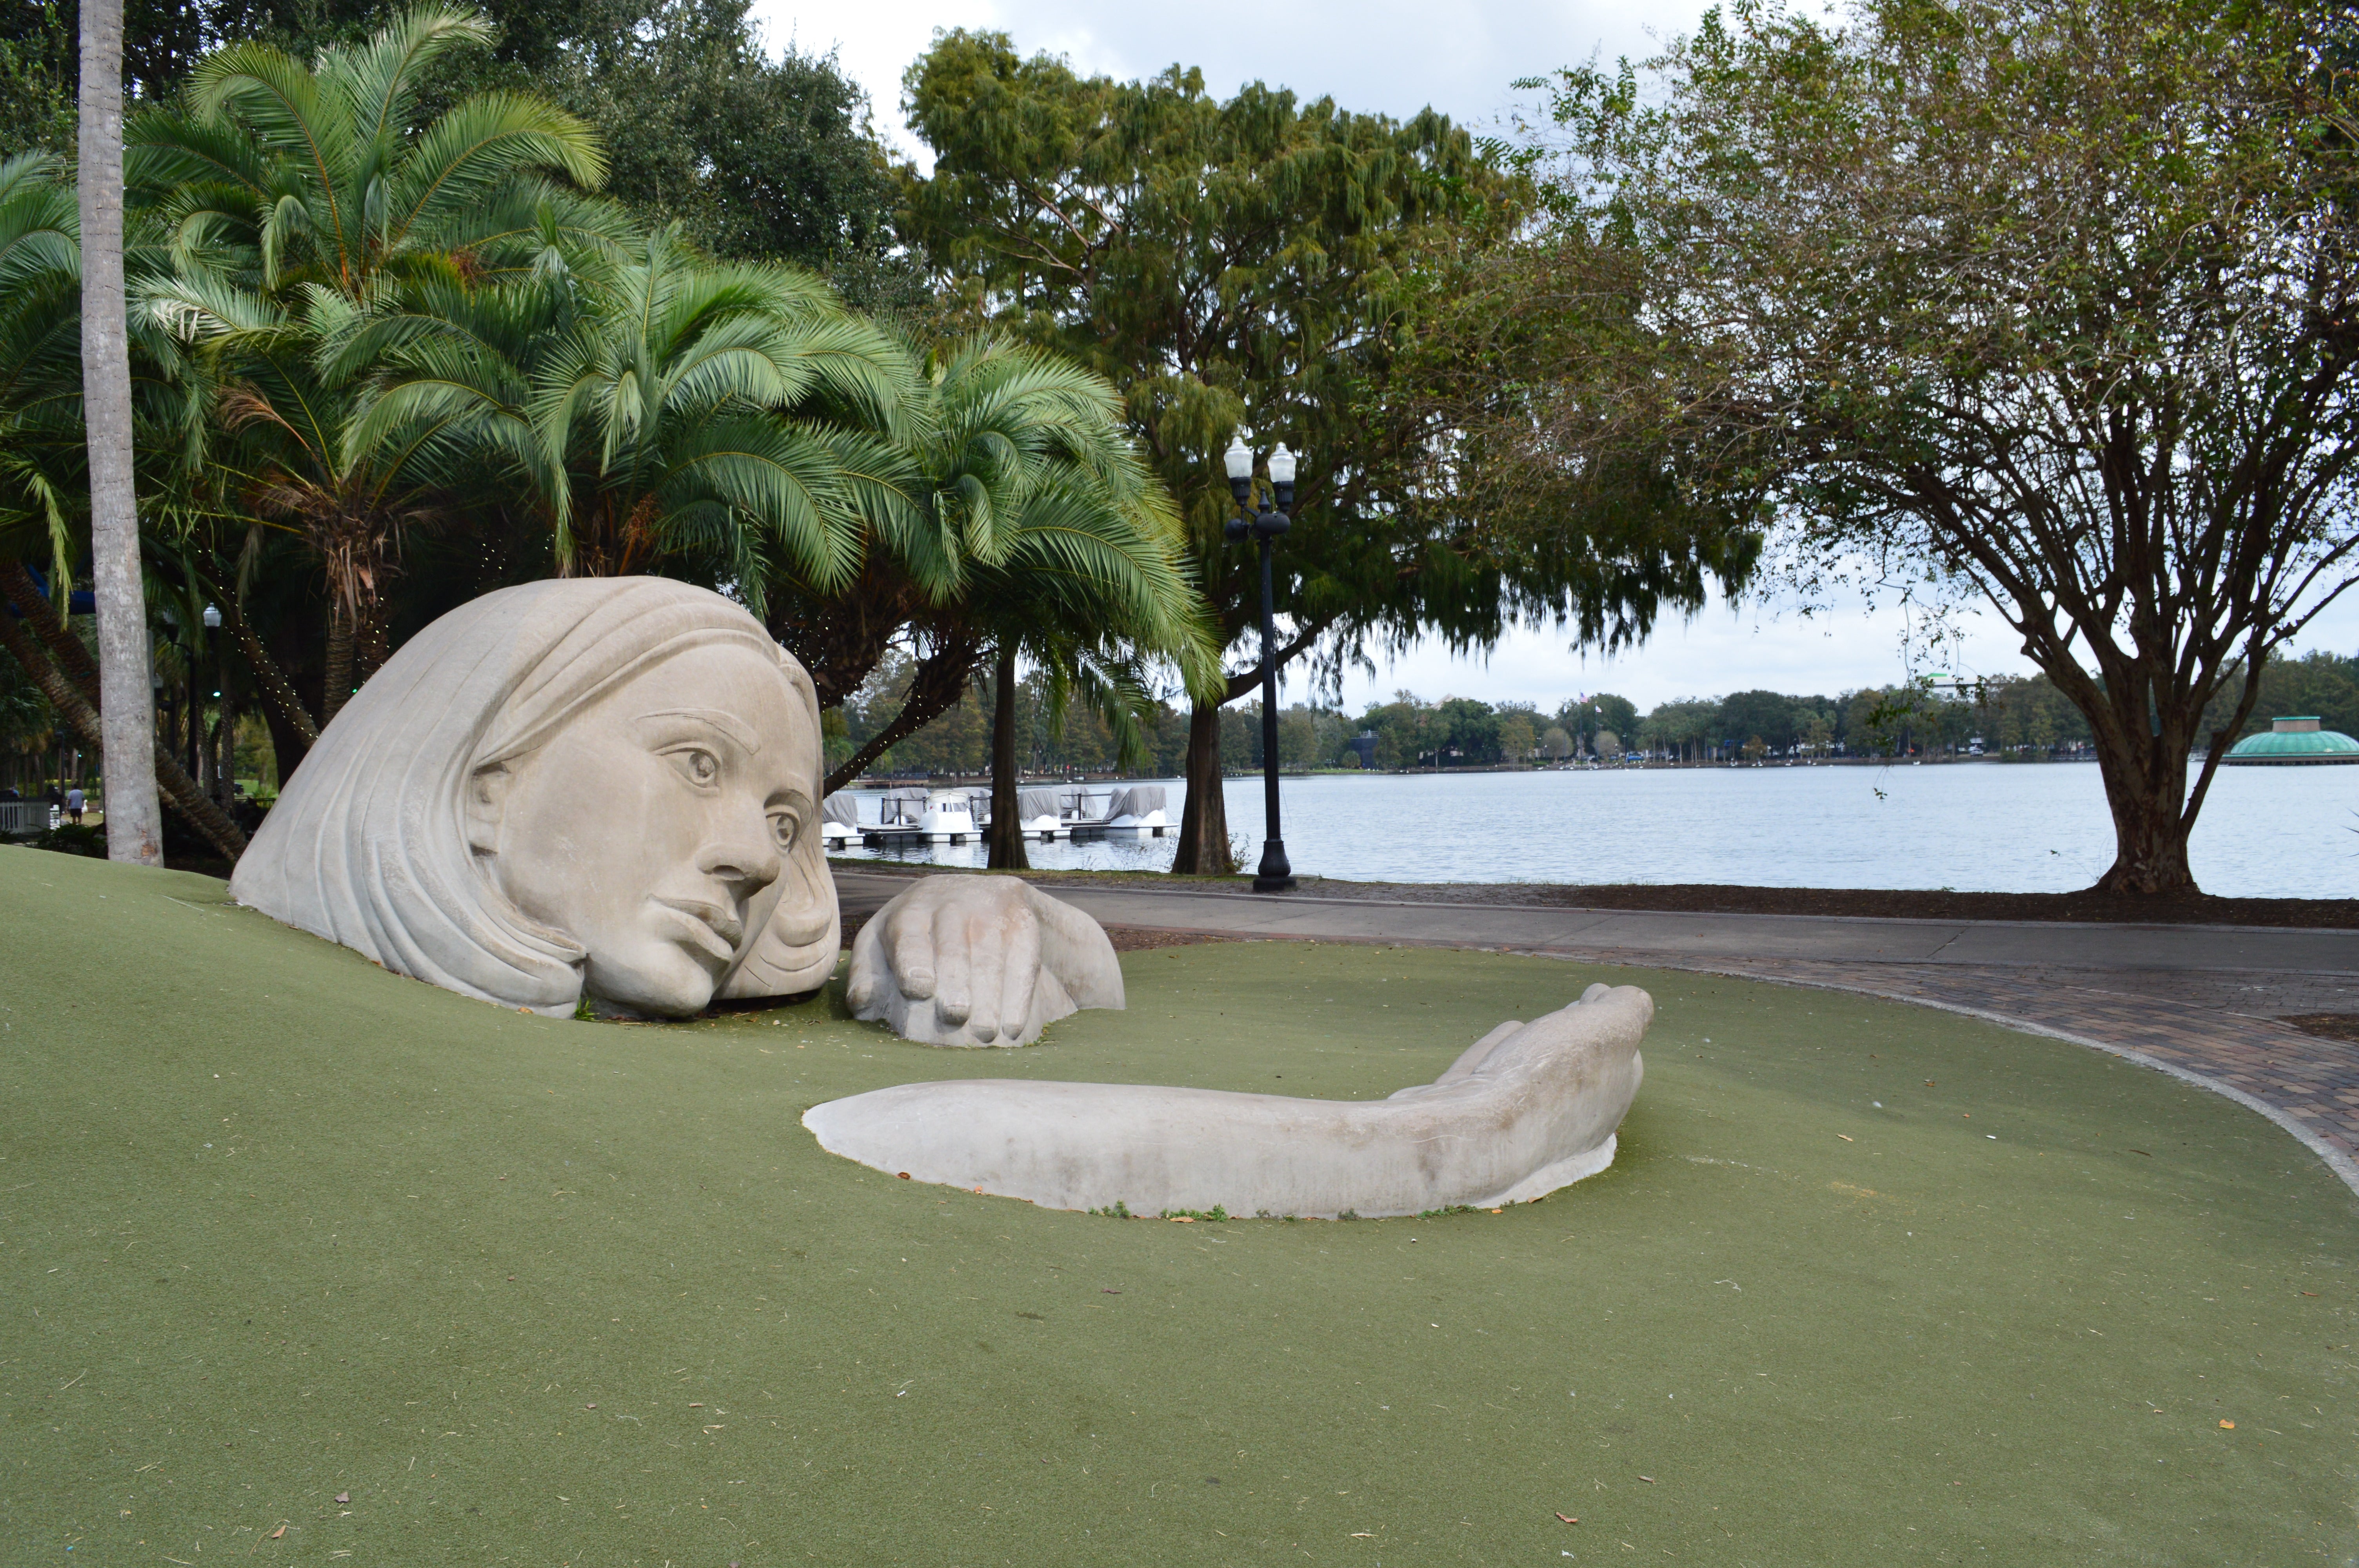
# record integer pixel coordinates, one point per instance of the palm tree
(42, 442)
(44, 459)
(135, 821)
(284, 174)
(734, 423)
(1054, 539)
(670, 413)
(294, 200)
(1108, 674)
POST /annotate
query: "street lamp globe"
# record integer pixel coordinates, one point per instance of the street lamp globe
(1238, 459)
(1281, 466)
(212, 617)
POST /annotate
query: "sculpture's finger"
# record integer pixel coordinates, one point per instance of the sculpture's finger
(953, 965)
(1020, 972)
(987, 974)
(910, 949)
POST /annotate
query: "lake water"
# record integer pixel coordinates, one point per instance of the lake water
(2285, 832)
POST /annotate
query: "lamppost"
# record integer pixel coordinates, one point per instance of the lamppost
(1266, 524)
(223, 755)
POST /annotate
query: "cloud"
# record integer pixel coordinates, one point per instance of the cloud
(1389, 56)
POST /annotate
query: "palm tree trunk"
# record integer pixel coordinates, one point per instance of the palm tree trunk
(337, 689)
(368, 643)
(1006, 815)
(135, 821)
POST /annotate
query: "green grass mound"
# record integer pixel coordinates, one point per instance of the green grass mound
(304, 1263)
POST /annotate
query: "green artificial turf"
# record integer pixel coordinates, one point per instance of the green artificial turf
(279, 1226)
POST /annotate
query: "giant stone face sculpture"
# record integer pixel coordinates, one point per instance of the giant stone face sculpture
(598, 786)
(611, 788)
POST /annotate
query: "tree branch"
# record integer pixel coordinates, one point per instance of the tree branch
(942, 677)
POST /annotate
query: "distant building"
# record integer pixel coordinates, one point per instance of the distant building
(2295, 739)
(1365, 745)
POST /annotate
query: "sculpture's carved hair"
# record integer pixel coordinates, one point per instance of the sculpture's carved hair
(368, 844)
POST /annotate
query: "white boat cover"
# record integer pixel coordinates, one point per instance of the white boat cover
(840, 807)
(1137, 801)
(1034, 804)
(902, 807)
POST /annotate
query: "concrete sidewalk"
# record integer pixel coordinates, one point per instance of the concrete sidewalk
(1691, 937)
(2201, 1003)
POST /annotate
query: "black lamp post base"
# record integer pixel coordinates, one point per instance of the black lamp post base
(1273, 875)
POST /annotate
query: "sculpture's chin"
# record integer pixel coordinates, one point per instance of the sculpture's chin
(665, 984)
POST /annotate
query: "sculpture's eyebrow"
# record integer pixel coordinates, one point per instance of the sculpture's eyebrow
(728, 724)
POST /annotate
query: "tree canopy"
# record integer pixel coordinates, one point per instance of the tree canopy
(1258, 264)
(2044, 303)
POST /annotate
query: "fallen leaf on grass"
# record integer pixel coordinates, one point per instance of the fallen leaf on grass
(343, 1497)
(1649, 1479)
(1846, 1137)
(2227, 1426)
(1563, 1516)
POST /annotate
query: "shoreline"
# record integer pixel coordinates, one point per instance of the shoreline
(2086, 906)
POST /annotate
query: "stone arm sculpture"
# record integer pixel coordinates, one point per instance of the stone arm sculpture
(979, 961)
(1527, 1109)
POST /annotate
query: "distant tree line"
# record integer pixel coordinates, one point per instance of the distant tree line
(2021, 719)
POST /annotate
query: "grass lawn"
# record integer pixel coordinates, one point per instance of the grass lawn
(280, 1228)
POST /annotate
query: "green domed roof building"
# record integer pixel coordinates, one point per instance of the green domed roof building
(2298, 740)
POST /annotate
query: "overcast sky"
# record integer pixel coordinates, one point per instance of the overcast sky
(1397, 57)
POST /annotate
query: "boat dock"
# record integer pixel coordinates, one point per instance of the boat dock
(907, 817)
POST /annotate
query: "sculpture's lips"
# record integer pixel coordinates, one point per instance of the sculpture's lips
(712, 927)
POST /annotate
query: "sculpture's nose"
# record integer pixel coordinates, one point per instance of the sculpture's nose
(742, 855)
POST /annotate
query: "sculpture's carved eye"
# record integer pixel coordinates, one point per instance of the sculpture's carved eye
(783, 827)
(697, 765)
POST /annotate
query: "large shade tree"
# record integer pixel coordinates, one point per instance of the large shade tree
(1259, 263)
(2043, 303)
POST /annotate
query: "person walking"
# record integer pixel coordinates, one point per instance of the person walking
(75, 801)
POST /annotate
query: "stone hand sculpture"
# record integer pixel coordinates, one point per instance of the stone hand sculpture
(1527, 1109)
(979, 961)
(607, 787)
